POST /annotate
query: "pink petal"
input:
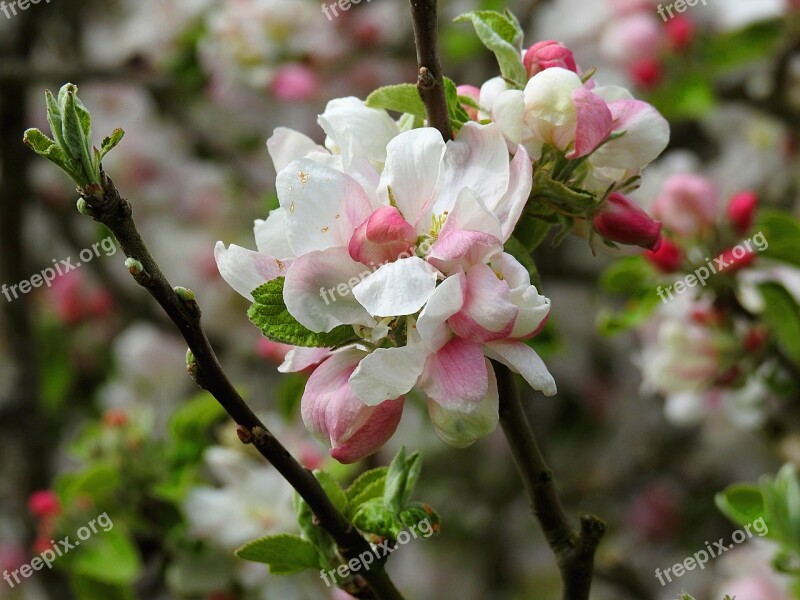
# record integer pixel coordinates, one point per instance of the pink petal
(382, 238)
(594, 122)
(456, 375)
(487, 313)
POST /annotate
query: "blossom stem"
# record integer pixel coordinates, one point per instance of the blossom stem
(574, 550)
(430, 82)
(107, 206)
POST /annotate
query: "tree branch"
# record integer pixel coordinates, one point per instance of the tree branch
(574, 550)
(430, 82)
(108, 207)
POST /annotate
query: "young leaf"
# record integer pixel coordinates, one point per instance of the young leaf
(500, 33)
(110, 142)
(54, 118)
(402, 98)
(401, 479)
(367, 486)
(374, 517)
(458, 116)
(742, 503)
(284, 553)
(44, 146)
(332, 489)
(270, 315)
(313, 533)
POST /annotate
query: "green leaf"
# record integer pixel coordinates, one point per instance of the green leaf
(782, 233)
(402, 98)
(723, 51)
(782, 314)
(366, 486)
(110, 142)
(110, 557)
(54, 118)
(332, 489)
(573, 201)
(270, 315)
(96, 481)
(500, 33)
(401, 479)
(284, 553)
(742, 503)
(374, 517)
(44, 146)
(416, 513)
(458, 116)
(313, 533)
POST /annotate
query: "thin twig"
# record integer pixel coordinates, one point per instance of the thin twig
(430, 82)
(108, 207)
(574, 550)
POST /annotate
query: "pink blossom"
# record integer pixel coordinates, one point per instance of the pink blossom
(44, 503)
(547, 54)
(742, 211)
(668, 258)
(687, 205)
(294, 82)
(621, 220)
(382, 237)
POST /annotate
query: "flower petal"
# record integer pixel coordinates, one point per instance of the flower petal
(509, 208)
(355, 128)
(443, 304)
(477, 159)
(646, 136)
(322, 206)
(522, 359)
(456, 376)
(271, 235)
(245, 270)
(413, 163)
(286, 145)
(398, 288)
(460, 429)
(387, 373)
(487, 313)
(300, 359)
(334, 414)
(318, 289)
(594, 122)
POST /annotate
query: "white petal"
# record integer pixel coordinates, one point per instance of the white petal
(245, 270)
(398, 288)
(353, 127)
(388, 373)
(413, 163)
(287, 145)
(322, 206)
(509, 208)
(271, 235)
(443, 304)
(508, 111)
(477, 159)
(522, 359)
(318, 288)
(299, 359)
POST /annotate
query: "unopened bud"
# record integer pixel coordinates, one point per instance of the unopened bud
(621, 220)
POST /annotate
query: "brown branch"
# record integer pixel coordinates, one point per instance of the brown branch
(430, 82)
(108, 207)
(574, 550)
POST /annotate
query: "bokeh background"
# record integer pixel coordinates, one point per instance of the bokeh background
(98, 416)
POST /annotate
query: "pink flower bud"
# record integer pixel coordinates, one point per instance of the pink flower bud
(681, 32)
(274, 352)
(621, 220)
(382, 238)
(687, 204)
(667, 258)
(736, 259)
(336, 416)
(294, 82)
(646, 73)
(742, 211)
(548, 54)
(44, 503)
(470, 91)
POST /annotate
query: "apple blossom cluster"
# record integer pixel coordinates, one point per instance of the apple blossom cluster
(398, 238)
(385, 264)
(710, 350)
